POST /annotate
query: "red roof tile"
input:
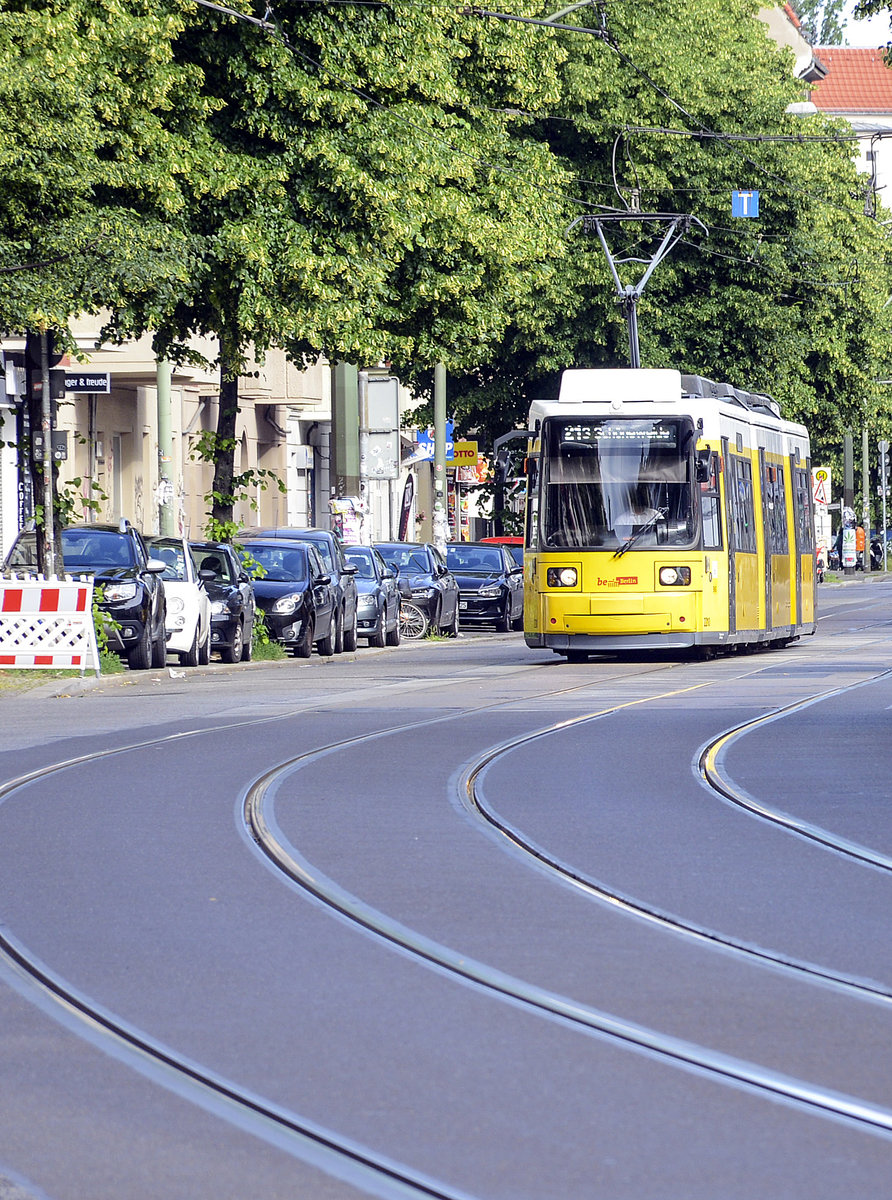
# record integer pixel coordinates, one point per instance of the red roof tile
(857, 81)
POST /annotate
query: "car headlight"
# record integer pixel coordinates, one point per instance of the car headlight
(288, 604)
(366, 603)
(427, 592)
(561, 577)
(218, 607)
(490, 592)
(175, 604)
(119, 591)
(675, 576)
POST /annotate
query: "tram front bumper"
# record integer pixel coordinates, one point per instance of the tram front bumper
(618, 615)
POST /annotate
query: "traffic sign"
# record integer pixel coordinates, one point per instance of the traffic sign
(820, 485)
(745, 204)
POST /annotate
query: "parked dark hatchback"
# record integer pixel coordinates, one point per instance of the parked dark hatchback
(332, 554)
(379, 596)
(232, 600)
(132, 591)
(295, 594)
(425, 579)
(491, 584)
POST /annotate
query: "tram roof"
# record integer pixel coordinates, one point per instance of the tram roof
(655, 385)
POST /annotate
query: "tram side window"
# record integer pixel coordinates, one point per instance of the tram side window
(776, 510)
(743, 512)
(532, 513)
(710, 506)
(802, 504)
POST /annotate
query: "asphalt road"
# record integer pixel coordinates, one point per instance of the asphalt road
(457, 919)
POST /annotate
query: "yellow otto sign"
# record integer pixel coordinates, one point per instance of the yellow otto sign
(464, 454)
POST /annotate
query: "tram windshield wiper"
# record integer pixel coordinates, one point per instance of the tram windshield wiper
(659, 514)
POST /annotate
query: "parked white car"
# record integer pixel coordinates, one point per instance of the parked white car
(188, 623)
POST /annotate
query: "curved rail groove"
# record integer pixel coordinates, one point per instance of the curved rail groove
(472, 799)
(711, 773)
(272, 843)
(300, 1137)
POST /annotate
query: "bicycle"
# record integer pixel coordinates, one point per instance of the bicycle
(414, 623)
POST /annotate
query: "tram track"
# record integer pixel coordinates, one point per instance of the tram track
(336, 1154)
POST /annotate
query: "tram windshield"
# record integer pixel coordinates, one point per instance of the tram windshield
(607, 483)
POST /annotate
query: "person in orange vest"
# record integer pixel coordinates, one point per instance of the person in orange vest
(859, 546)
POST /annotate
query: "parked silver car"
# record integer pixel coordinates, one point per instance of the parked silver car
(378, 596)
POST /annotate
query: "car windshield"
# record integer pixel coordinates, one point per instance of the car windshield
(171, 553)
(280, 565)
(473, 558)
(362, 560)
(95, 549)
(407, 558)
(216, 561)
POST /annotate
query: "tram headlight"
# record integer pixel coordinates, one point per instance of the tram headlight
(562, 577)
(675, 576)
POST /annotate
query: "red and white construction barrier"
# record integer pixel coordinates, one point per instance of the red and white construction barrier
(47, 623)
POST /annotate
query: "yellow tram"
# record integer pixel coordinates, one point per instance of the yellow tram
(665, 511)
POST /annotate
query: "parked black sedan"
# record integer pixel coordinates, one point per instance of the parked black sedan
(426, 580)
(491, 584)
(295, 594)
(331, 552)
(378, 604)
(232, 599)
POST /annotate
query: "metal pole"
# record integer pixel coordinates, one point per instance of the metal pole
(865, 496)
(163, 375)
(46, 424)
(440, 522)
(884, 479)
(848, 495)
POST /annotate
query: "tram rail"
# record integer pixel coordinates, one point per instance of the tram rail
(339, 1155)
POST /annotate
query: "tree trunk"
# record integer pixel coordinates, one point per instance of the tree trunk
(223, 499)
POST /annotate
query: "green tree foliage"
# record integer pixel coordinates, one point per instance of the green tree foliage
(361, 191)
(89, 157)
(791, 303)
(822, 21)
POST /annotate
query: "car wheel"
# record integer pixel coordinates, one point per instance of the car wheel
(393, 636)
(517, 623)
(247, 638)
(140, 657)
(326, 645)
(303, 648)
(233, 653)
(379, 637)
(159, 650)
(204, 650)
(338, 644)
(503, 624)
(190, 657)
(451, 630)
(350, 634)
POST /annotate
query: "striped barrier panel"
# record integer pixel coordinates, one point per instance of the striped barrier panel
(47, 623)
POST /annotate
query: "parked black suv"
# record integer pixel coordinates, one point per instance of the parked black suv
(132, 591)
(342, 572)
(232, 599)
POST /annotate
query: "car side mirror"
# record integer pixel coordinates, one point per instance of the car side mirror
(155, 566)
(207, 575)
(349, 568)
(388, 574)
(323, 579)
